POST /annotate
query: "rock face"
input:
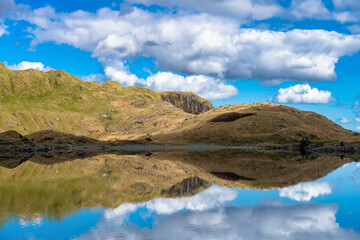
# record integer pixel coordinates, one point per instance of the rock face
(189, 102)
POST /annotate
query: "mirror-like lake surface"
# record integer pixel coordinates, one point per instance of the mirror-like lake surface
(180, 195)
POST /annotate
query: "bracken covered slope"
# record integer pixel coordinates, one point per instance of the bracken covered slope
(33, 101)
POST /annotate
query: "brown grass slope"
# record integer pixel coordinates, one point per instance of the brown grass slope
(33, 101)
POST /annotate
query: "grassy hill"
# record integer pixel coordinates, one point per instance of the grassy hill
(258, 122)
(33, 101)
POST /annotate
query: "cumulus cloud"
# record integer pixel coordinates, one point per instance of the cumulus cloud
(204, 86)
(357, 129)
(207, 87)
(301, 9)
(357, 120)
(304, 192)
(241, 9)
(245, 10)
(310, 221)
(29, 65)
(355, 29)
(346, 10)
(302, 93)
(117, 71)
(344, 120)
(215, 46)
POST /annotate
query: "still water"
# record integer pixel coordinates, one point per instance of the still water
(241, 195)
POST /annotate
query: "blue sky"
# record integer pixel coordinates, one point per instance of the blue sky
(303, 54)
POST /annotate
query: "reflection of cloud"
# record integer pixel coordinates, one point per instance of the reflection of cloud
(308, 221)
(30, 223)
(305, 191)
(210, 198)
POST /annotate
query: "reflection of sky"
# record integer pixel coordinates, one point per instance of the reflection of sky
(324, 209)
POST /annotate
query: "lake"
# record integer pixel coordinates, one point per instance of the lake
(219, 194)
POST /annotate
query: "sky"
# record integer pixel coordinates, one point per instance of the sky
(304, 54)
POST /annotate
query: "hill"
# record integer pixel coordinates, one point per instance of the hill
(32, 101)
(257, 123)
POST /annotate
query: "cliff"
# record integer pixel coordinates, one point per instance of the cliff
(189, 102)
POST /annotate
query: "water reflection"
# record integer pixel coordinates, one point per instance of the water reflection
(164, 195)
(304, 192)
(265, 221)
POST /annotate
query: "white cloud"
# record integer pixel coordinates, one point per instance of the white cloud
(302, 93)
(304, 192)
(357, 129)
(344, 120)
(215, 46)
(357, 120)
(346, 10)
(117, 71)
(246, 10)
(241, 9)
(28, 65)
(301, 9)
(355, 29)
(207, 87)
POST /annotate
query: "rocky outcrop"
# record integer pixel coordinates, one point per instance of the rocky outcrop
(189, 102)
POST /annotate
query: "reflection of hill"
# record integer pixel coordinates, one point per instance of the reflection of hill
(48, 158)
(55, 184)
(263, 170)
(105, 180)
